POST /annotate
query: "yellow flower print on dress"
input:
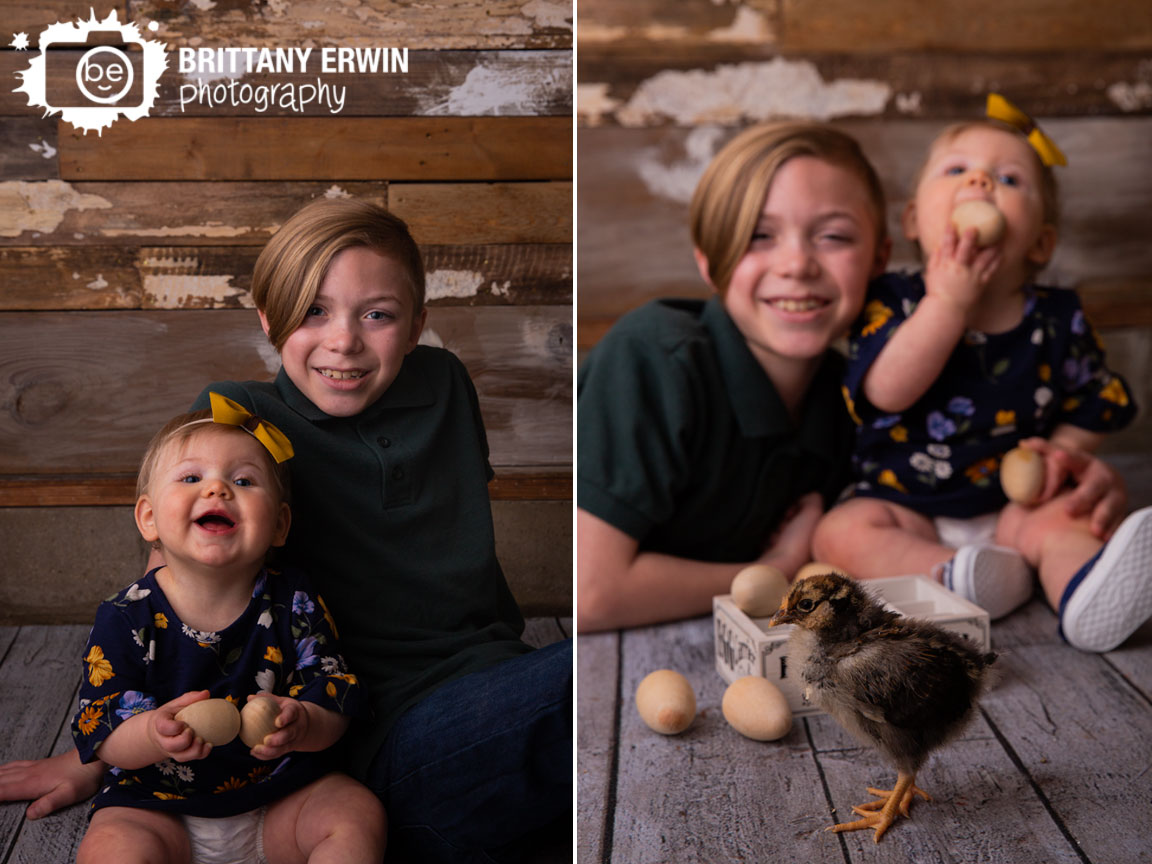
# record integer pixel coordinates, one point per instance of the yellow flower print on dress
(328, 615)
(231, 784)
(90, 719)
(851, 407)
(1005, 418)
(160, 620)
(898, 433)
(99, 669)
(877, 314)
(1115, 392)
(978, 471)
(888, 478)
(274, 654)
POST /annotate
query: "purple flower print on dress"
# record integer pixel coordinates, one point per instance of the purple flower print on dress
(939, 426)
(133, 702)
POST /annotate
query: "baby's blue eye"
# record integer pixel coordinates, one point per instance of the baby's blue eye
(190, 478)
(953, 170)
(1009, 180)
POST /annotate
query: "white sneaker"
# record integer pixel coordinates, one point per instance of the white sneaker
(1111, 595)
(995, 578)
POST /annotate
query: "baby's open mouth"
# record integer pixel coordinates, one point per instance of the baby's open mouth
(214, 520)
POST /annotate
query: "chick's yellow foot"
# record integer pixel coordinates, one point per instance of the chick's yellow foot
(882, 813)
(886, 795)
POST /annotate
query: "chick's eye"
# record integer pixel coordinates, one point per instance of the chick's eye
(805, 605)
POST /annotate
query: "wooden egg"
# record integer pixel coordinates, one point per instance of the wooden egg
(756, 708)
(758, 590)
(215, 720)
(984, 217)
(814, 568)
(258, 720)
(666, 702)
(1022, 475)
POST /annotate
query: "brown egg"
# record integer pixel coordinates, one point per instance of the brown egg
(258, 720)
(758, 590)
(666, 702)
(814, 568)
(1022, 475)
(756, 708)
(215, 720)
(984, 217)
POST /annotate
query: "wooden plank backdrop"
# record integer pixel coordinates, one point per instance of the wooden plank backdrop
(123, 253)
(661, 86)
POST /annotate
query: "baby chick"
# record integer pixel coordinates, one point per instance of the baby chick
(904, 687)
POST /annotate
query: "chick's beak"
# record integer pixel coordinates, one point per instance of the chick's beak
(783, 616)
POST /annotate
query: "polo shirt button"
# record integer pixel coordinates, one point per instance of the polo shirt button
(384, 442)
(397, 473)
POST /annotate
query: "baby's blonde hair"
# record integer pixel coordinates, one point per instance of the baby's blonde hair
(730, 195)
(289, 271)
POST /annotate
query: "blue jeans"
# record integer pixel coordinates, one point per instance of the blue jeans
(482, 763)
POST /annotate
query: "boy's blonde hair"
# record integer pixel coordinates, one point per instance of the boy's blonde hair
(181, 428)
(289, 271)
(730, 195)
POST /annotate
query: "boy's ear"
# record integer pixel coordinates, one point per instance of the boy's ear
(417, 329)
(1041, 253)
(263, 320)
(146, 519)
(283, 523)
(908, 221)
(702, 266)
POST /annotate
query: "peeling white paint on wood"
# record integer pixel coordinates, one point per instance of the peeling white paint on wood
(208, 229)
(98, 284)
(187, 291)
(430, 337)
(41, 206)
(335, 191)
(490, 90)
(441, 284)
(739, 92)
(749, 26)
(549, 14)
(42, 147)
(593, 103)
(676, 181)
(1131, 97)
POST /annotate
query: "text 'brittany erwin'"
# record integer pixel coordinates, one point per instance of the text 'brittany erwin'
(334, 60)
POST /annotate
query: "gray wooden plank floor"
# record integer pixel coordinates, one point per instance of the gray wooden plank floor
(39, 675)
(1056, 768)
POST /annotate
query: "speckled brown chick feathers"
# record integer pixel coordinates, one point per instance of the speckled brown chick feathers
(903, 686)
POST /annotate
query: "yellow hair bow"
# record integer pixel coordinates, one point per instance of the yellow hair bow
(1001, 109)
(230, 413)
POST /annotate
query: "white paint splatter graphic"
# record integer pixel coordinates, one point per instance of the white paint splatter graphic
(99, 71)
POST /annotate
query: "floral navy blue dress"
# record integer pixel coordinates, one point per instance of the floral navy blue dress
(140, 656)
(941, 457)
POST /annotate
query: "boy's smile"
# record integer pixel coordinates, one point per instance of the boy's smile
(355, 335)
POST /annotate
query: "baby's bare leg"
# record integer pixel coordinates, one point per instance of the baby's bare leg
(129, 836)
(870, 538)
(1054, 543)
(335, 819)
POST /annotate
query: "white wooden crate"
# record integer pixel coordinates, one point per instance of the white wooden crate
(748, 646)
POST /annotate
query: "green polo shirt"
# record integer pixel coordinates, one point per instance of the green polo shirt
(391, 517)
(684, 443)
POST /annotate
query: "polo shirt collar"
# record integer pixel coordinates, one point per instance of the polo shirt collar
(758, 407)
(409, 390)
(755, 402)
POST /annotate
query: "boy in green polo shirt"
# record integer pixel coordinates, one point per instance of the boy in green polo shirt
(706, 426)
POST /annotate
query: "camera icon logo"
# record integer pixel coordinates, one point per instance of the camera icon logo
(94, 72)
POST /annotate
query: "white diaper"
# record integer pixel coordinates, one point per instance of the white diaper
(977, 531)
(227, 839)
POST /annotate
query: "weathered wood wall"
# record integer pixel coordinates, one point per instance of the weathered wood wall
(661, 85)
(125, 258)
